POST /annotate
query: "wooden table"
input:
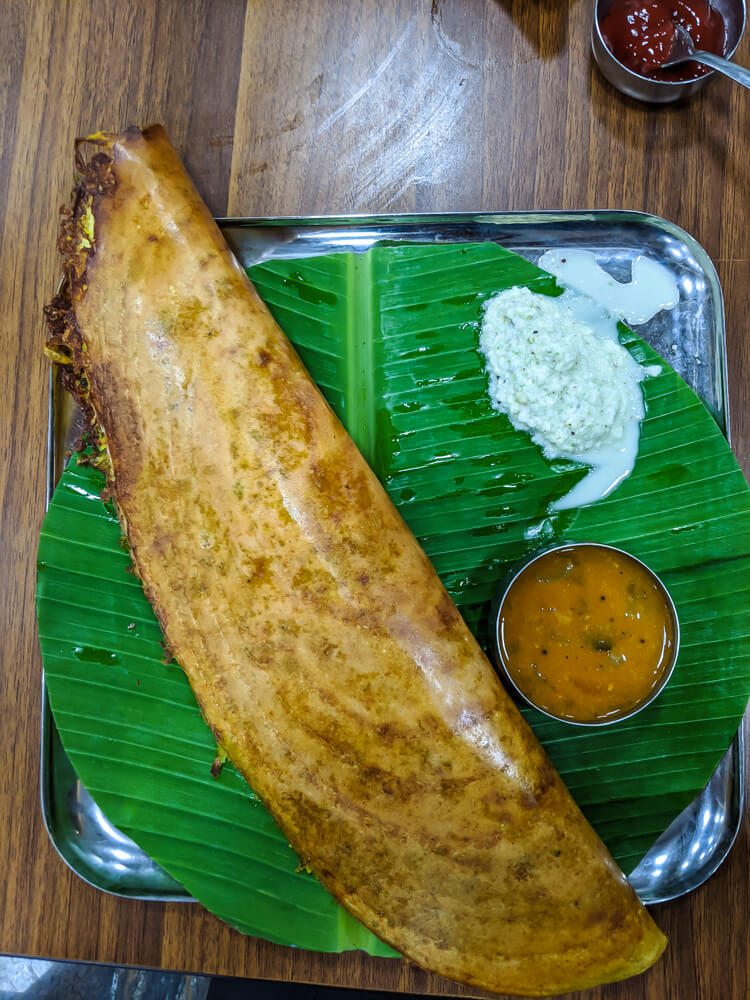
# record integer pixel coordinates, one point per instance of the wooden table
(324, 106)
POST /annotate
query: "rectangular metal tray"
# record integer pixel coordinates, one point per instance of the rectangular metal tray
(690, 337)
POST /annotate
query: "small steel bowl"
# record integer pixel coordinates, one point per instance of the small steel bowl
(496, 644)
(661, 91)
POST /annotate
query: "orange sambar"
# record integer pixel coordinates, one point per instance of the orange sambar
(586, 633)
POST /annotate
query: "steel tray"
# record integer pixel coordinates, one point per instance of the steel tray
(691, 337)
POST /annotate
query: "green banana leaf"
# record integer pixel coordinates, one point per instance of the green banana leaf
(391, 337)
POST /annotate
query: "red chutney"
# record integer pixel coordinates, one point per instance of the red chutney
(641, 33)
(586, 633)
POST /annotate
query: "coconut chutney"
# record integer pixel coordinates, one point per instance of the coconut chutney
(575, 389)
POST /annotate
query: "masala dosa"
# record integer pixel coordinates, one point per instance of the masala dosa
(332, 666)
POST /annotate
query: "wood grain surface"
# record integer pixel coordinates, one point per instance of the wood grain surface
(324, 106)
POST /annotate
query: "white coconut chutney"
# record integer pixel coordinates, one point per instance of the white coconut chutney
(558, 371)
(651, 288)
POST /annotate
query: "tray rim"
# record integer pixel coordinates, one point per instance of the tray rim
(735, 752)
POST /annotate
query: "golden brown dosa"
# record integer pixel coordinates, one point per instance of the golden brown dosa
(326, 656)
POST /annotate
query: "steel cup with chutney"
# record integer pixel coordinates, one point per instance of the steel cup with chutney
(586, 633)
(632, 40)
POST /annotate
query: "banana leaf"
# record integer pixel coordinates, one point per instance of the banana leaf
(391, 337)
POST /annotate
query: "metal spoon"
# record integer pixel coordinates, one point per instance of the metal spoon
(684, 49)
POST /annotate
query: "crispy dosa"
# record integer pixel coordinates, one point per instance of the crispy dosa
(331, 664)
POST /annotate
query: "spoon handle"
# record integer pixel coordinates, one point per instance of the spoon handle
(725, 66)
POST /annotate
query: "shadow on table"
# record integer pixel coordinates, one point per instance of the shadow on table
(39, 979)
(544, 23)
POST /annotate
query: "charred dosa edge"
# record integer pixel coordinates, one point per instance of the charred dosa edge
(326, 656)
